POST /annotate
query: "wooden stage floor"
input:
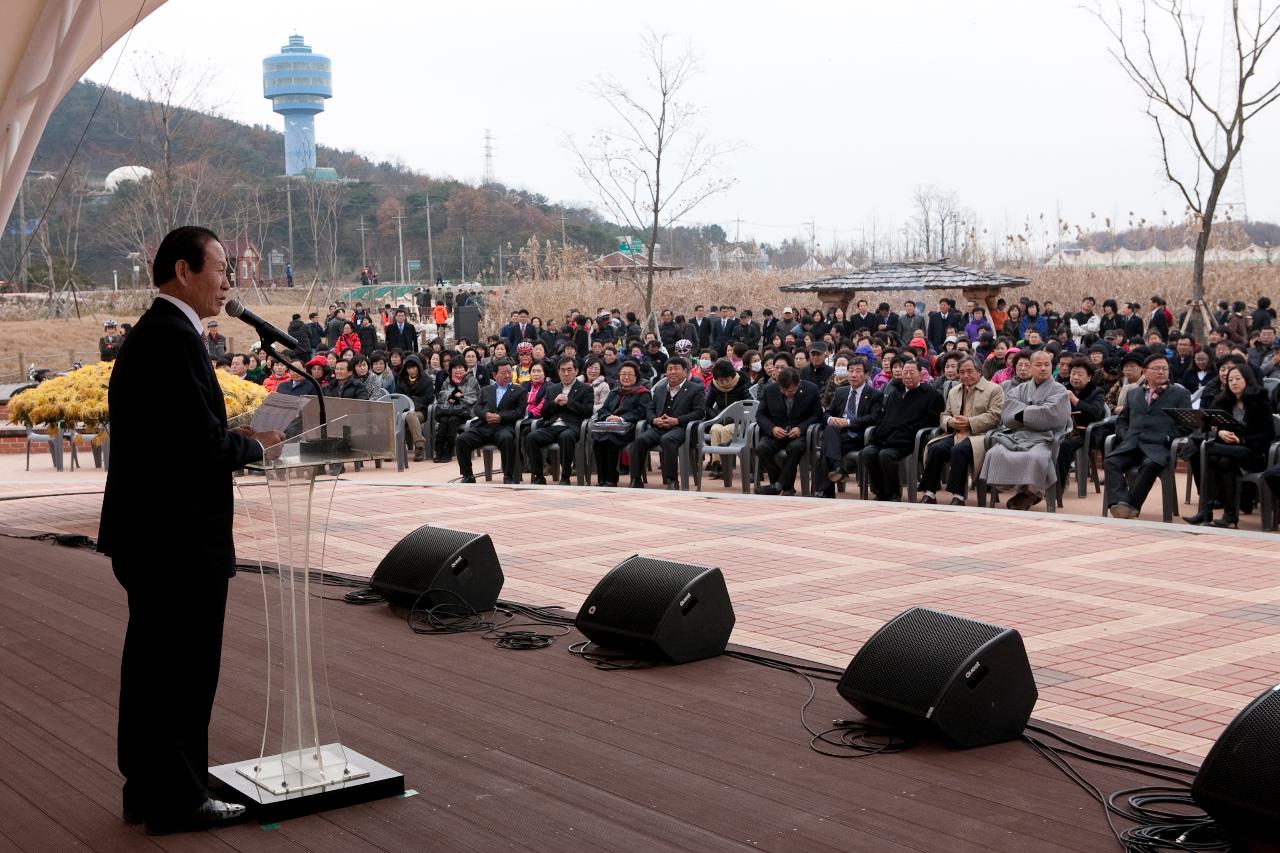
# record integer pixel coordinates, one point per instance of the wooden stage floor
(531, 750)
(1151, 635)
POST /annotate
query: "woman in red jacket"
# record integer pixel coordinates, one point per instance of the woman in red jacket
(348, 340)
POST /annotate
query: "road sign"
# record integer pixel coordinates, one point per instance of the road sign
(414, 266)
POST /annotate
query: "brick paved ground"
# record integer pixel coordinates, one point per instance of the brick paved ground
(1150, 634)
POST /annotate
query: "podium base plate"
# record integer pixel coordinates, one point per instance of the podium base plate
(293, 784)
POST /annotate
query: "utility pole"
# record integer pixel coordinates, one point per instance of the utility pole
(499, 263)
(737, 229)
(563, 241)
(364, 262)
(400, 238)
(464, 257)
(288, 195)
(431, 259)
(22, 232)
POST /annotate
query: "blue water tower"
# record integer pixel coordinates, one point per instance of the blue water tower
(297, 82)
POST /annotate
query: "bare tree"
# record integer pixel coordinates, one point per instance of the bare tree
(1210, 123)
(924, 200)
(654, 166)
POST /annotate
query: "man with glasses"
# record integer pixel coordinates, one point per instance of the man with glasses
(1144, 431)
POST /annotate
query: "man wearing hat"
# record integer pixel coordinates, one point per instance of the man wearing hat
(746, 332)
(109, 343)
(817, 370)
(789, 326)
(215, 342)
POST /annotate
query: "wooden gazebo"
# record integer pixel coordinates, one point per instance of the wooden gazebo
(615, 265)
(907, 277)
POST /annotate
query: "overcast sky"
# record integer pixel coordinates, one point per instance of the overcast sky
(839, 109)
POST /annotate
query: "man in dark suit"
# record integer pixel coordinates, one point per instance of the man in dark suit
(672, 408)
(702, 325)
(167, 528)
(855, 406)
(1132, 320)
(906, 412)
(499, 407)
(1144, 432)
(722, 329)
(568, 403)
(863, 320)
(402, 334)
(790, 406)
(946, 317)
(520, 330)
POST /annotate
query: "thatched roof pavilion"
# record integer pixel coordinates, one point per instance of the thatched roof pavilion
(906, 277)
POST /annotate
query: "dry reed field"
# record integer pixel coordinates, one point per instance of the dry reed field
(51, 343)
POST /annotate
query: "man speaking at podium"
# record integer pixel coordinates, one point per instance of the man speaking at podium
(166, 524)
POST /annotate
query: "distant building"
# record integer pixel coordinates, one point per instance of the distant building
(297, 82)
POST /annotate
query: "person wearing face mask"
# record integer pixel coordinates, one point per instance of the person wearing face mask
(702, 368)
(753, 373)
(839, 377)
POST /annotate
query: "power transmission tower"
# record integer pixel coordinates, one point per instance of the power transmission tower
(1232, 197)
(488, 157)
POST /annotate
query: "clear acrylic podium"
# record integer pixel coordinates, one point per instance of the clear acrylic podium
(302, 765)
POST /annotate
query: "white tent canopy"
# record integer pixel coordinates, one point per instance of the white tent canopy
(45, 47)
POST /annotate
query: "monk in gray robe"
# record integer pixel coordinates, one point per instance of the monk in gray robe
(1037, 414)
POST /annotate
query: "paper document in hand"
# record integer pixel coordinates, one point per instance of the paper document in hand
(277, 412)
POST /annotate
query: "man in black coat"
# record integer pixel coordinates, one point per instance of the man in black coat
(568, 403)
(906, 412)
(315, 333)
(1144, 432)
(499, 407)
(702, 325)
(167, 526)
(855, 406)
(946, 317)
(672, 408)
(790, 406)
(345, 383)
(747, 332)
(402, 334)
(333, 328)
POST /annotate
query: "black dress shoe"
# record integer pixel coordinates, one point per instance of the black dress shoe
(515, 481)
(788, 493)
(1199, 518)
(928, 499)
(957, 501)
(1227, 520)
(468, 479)
(768, 490)
(565, 482)
(672, 486)
(538, 480)
(211, 813)
(637, 484)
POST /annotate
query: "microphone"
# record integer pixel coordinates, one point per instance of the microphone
(267, 332)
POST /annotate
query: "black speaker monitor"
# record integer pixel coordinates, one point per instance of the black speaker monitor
(1239, 782)
(940, 675)
(456, 566)
(654, 609)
